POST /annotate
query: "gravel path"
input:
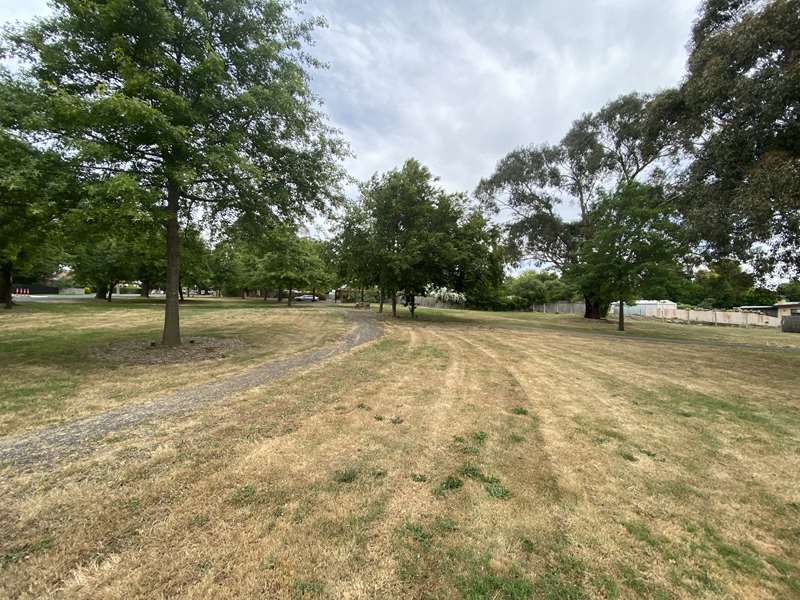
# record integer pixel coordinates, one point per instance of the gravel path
(78, 437)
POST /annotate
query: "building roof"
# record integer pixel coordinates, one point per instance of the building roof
(778, 305)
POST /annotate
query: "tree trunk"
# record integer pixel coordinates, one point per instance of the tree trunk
(595, 308)
(171, 335)
(394, 304)
(266, 293)
(380, 308)
(412, 306)
(313, 294)
(145, 291)
(290, 294)
(180, 291)
(362, 295)
(621, 325)
(280, 294)
(5, 285)
(110, 291)
(101, 291)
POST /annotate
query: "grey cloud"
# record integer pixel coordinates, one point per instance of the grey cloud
(459, 84)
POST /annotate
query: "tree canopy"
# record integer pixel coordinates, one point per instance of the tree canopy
(406, 235)
(202, 108)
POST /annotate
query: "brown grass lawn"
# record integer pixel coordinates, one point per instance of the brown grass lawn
(49, 352)
(463, 455)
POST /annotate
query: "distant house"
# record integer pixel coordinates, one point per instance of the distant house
(781, 309)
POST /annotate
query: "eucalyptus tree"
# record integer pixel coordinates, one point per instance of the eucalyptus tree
(533, 187)
(205, 105)
(740, 110)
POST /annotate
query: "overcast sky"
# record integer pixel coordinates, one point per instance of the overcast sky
(458, 84)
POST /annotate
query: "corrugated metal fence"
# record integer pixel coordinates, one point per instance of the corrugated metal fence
(791, 324)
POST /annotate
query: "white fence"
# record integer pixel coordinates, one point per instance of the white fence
(712, 317)
(576, 308)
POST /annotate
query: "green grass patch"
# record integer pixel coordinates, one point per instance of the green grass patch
(519, 410)
(480, 586)
(346, 475)
(479, 437)
(641, 531)
(244, 495)
(308, 588)
(448, 484)
(19, 552)
(496, 490)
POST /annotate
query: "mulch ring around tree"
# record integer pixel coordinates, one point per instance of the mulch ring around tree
(149, 352)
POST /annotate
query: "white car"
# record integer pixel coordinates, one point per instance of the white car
(305, 298)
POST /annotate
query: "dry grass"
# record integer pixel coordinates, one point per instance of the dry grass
(641, 469)
(51, 372)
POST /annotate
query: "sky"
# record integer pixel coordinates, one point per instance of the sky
(459, 84)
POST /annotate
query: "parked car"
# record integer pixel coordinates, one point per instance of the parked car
(304, 298)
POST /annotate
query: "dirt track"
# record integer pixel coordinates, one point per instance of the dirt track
(78, 437)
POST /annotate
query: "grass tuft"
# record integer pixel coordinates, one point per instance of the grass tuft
(244, 495)
(449, 483)
(347, 475)
(479, 437)
(495, 490)
(23, 551)
(519, 410)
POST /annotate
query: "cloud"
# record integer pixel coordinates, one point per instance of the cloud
(457, 85)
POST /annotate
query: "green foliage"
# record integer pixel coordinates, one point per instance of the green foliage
(608, 149)
(407, 235)
(738, 112)
(194, 110)
(635, 240)
(37, 187)
(790, 290)
(539, 287)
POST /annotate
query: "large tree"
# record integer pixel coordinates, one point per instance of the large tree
(533, 187)
(204, 104)
(636, 240)
(740, 110)
(406, 234)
